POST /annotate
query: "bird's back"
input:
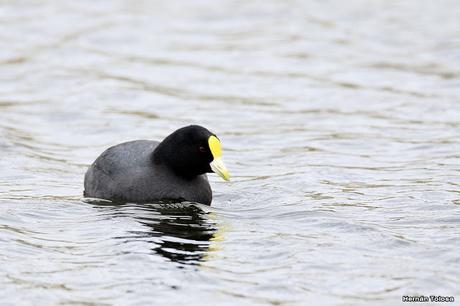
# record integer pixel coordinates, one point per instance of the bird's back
(126, 172)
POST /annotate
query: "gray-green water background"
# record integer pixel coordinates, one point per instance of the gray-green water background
(340, 122)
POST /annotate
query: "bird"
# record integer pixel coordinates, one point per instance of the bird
(173, 170)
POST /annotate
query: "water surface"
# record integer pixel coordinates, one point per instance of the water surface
(340, 126)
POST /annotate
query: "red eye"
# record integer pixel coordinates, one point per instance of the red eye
(202, 149)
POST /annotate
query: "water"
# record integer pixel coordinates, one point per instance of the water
(340, 126)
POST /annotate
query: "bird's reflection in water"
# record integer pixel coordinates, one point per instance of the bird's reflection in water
(179, 232)
(184, 231)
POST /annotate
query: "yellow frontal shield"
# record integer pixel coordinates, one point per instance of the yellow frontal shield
(217, 165)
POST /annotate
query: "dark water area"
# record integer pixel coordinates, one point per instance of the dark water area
(340, 125)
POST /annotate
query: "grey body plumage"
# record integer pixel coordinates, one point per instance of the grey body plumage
(126, 172)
